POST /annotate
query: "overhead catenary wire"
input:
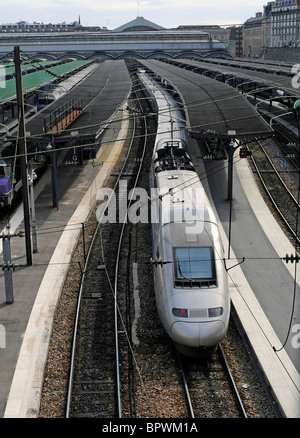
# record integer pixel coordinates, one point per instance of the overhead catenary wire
(82, 87)
(173, 262)
(96, 143)
(202, 103)
(191, 105)
(92, 144)
(217, 168)
(206, 177)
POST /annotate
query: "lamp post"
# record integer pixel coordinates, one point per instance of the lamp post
(230, 149)
(31, 178)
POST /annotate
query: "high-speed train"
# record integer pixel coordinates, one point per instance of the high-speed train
(190, 279)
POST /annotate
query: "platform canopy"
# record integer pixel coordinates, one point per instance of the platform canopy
(213, 109)
(100, 95)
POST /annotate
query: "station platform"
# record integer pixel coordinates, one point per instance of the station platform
(261, 288)
(27, 321)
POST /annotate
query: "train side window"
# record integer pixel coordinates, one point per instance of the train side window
(194, 264)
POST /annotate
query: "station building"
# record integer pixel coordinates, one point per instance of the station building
(139, 38)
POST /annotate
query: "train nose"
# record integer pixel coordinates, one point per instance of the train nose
(195, 335)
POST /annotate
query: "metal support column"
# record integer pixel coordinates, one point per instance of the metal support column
(7, 268)
(23, 151)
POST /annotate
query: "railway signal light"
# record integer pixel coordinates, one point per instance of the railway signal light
(244, 153)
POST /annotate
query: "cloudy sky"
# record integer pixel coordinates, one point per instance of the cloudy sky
(114, 13)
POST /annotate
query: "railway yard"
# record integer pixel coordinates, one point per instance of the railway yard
(90, 343)
(151, 387)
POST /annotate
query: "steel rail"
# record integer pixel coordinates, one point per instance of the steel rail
(117, 267)
(272, 199)
(76, 323)
(231, 380)
(186, 388)
(236, 391)
(282, 132)
(277, 173)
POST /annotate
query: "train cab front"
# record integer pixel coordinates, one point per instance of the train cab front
(198, 338)
(194, 299)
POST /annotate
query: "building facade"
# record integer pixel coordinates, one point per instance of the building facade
(257, 33)
(24, 26)
(252, 36)
(285, 23)
(235, 43)
(277, 27)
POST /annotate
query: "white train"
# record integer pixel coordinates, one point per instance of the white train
(190, 278)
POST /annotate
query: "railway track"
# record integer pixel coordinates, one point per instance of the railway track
(210, 388)
(95, 388)
(270, 172)
(149, 383)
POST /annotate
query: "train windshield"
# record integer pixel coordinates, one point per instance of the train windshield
(194, 264)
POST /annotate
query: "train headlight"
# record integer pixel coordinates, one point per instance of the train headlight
(215, 311)
(182, 313)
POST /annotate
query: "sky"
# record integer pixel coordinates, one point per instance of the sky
(114, 13)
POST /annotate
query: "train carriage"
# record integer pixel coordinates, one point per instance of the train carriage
(190, 279)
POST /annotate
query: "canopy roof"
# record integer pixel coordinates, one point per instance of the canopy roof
(139, 24)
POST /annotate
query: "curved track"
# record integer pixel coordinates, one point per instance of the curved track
(280, 195)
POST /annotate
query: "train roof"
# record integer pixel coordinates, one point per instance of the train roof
(182, 198)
